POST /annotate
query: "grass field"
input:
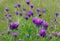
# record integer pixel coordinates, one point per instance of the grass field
(29, 28)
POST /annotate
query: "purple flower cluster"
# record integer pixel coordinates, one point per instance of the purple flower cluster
(30, 13)
(38, 22)
(56, 34)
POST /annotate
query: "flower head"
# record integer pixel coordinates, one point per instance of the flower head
(18, 4)
(20, 13)
(44, 10)
(10, 15)
(45, 24)
(7, 31)
(17, 12)
(43, 33)
(24, 9)
(37, 21)
(38, 9)
(31, 5)
(27, 2)
(7, 9)
(26, 17)
(56, 13)
(50, 36)
(13, 25)
(14, 34)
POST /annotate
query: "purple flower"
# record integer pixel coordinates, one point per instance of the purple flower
(38, 36)
(5, 14)
(7, 9)
(7, 31)
(18, 4)
(3, 19)
(44, 10)
(37, 21)
(31, 5)
(13, 25)
(17, 13)
(34, 19)
(20, 40)
(14, 34)
(31, 12)
(45, 24)
(43, 33)
(10, 15)
(24, 9)
(56, 13)
(38, 9)
(20, 13)
(39, 14)
(55, 34)
(50, 36)
(27, 2)
(26, 17)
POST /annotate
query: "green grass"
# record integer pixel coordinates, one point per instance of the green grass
(51, 5)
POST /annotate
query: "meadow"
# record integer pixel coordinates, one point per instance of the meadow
(21, 26)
